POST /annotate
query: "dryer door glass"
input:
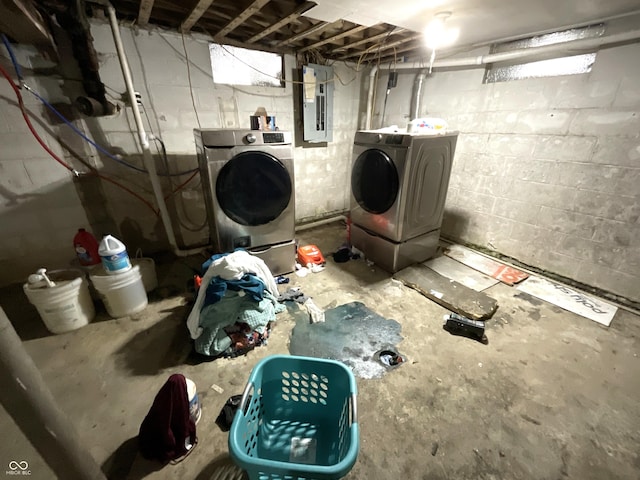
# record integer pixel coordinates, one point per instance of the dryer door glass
(253, 188)
(374, 181)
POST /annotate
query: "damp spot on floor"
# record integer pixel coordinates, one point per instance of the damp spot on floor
(534, 314)
(351, 333)
(528, 298)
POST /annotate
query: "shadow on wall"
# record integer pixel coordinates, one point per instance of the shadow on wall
(165, 344)
(454, 224)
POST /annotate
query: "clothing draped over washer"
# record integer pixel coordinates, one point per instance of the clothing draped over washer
(236, 303)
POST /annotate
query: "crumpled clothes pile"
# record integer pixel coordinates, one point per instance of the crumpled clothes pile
(237, 294)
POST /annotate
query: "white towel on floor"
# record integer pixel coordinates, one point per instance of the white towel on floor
(230, 267)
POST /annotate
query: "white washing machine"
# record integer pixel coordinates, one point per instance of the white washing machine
(248, 183)
(399, 185)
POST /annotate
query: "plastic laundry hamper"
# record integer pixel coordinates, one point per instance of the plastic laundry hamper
(297, 420)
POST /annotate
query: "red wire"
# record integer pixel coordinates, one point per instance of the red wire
(56, 157)
(26, 119)
(182, 185)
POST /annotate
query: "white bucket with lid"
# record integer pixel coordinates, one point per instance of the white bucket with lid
(65, 306)
(122, 293)
(114, 256)
(195, 409)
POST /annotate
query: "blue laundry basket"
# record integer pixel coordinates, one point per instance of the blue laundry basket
(297, 420)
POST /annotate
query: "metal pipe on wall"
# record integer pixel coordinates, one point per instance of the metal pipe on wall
(574, 47)
(416, 102)
(30, 403)
(147, 157)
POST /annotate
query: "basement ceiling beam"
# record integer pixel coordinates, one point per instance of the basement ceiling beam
(370, 39)
(286, 20)
(384, 47)
(195, 15)
(145, 12)
(299, 36)
(353, 31)
(239, 20)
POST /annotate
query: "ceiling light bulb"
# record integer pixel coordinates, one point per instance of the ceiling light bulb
(437, 35)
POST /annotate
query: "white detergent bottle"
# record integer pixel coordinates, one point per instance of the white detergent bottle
(114, 256)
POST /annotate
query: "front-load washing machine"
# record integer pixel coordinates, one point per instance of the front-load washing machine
(248, 182)
(399, 185)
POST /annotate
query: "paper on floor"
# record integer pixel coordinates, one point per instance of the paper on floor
(574, 301)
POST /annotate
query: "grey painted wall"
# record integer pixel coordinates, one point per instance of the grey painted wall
(546, 170)
(41, 205)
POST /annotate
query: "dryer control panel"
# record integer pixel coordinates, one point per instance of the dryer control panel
(273, 137)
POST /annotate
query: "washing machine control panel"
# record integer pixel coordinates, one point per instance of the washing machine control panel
(251, 138)
(273, 137)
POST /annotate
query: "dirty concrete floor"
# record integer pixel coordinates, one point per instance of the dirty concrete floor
(551, 396)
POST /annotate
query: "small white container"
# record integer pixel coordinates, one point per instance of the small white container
(195, 409)
(114, 256)
(67, 305)
(122, 293)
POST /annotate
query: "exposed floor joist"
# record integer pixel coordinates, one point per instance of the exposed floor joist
(239, 20)
(384, 47)
(299, 36)
(145, 12)
(195, 15)
(333, 38)
(286, 20)
(374, 38)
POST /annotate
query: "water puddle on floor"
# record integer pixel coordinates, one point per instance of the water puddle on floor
(352, 334)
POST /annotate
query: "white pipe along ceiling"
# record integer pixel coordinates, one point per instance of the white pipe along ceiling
(547, 51)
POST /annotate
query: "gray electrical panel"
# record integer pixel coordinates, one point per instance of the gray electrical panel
(317, 103)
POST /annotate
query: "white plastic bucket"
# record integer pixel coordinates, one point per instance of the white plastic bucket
(122, 293)
(195, 409)
(148, 272)
(66, 306)
(114, 256)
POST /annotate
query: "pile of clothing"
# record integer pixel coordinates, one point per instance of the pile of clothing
(235, 307)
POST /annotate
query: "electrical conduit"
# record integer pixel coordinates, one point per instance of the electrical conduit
(143, 139)
(574, 47)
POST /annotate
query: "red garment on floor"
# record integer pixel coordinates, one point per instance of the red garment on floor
(167, 425)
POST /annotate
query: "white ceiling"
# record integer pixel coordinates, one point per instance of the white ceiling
(480, 21)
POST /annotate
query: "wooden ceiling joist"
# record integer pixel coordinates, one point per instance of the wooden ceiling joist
(281, 23)
(195, 15)
(374, 38)
(334, 38)
(299, 36)
(383, 47)
(144, 12)
(239, 20)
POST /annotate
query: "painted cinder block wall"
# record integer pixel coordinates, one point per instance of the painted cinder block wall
(42, 205)
(547, 170)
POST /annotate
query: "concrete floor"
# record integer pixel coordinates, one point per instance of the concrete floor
(552, 396)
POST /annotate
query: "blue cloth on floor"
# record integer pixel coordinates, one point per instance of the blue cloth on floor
(217, 288)
(233, 307)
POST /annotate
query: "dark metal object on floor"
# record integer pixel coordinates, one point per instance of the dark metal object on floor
(463, 326)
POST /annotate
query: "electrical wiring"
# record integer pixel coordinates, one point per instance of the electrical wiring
(43, 144)
(16, 66)
(193, 100)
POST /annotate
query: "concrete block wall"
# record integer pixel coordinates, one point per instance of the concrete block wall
(41, 206)
(547, 170)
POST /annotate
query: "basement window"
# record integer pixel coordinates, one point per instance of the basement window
(571, 65)
(241, 66)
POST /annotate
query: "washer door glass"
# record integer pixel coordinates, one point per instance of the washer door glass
(374, 181)
(253, 188)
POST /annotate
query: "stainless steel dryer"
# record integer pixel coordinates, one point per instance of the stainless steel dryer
(248, 182)
(399, 185)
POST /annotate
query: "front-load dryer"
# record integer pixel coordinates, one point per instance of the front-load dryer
(399, 185)
(248, 183)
